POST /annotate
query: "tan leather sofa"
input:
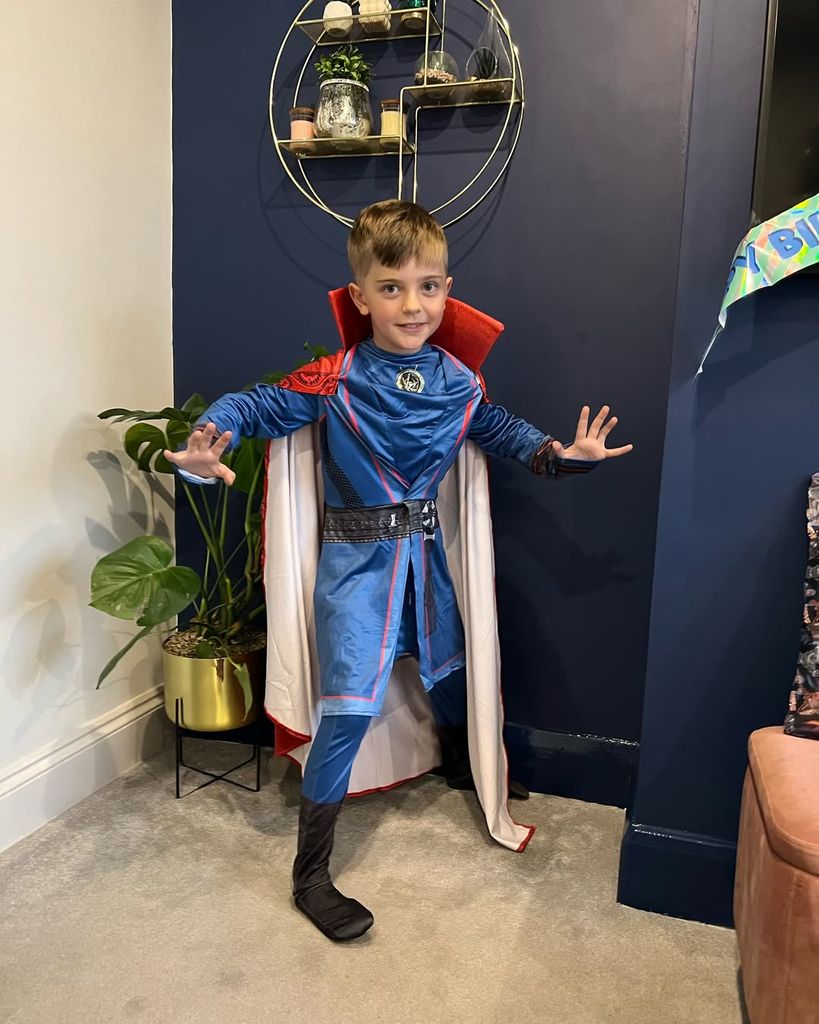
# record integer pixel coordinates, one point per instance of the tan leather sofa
(776, 896)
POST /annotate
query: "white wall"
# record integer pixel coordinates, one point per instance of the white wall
(85, 316)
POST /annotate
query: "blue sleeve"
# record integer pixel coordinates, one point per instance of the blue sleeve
(264, 411)
(498, 432)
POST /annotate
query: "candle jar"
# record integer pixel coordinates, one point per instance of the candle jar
(302, 128)
(415, 18)
(374, 16)
(338, 18)
(393, 123)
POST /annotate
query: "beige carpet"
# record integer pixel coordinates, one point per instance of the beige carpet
(137, 907)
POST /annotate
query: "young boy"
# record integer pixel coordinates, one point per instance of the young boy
(393, 413)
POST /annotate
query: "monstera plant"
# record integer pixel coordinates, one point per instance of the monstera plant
(140, 582)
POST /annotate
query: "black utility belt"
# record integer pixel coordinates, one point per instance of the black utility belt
(380, 522)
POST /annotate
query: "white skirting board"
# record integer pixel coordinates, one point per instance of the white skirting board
(42, 785)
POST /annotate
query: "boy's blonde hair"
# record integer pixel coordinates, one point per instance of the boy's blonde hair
(394, 232)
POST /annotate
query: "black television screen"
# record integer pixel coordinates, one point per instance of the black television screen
(787, 159)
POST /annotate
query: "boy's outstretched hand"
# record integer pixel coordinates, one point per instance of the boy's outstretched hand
(201, 458)
(590, 441)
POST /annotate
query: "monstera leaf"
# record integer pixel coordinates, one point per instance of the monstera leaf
(145, 443)
(137, 581)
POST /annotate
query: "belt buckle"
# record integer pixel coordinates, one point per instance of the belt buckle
(429, 519)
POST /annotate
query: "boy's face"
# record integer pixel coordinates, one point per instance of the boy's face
(406, 304)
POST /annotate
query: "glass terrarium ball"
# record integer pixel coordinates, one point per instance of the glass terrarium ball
(440, 67)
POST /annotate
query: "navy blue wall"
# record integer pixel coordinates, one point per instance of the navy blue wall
(599, 168)
(742, 440)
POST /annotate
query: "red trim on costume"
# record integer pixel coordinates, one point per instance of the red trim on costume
(374, 694)
(392, 785)
(387, 487)
(444, 664)
(363, 792)
(424, 572)
(345, 394)
(525, 843)
(317, 378)
(285, 739)
(263, 510)
(464, 428)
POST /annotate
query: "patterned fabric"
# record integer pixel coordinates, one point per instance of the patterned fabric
(386, 522)
(348, 494)
(803, 706)
(317, 378)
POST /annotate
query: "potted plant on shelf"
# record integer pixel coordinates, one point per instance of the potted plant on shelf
(343, 110)
(216, 664)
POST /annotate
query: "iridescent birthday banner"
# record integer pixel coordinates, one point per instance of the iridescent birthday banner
(770, 252)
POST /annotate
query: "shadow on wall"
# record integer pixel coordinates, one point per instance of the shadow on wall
(51, 574)
(763, 332)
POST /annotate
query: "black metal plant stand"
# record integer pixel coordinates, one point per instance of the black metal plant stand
(181, 763)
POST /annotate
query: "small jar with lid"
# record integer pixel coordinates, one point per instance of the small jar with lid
(302, 127)
(393, 122)
(415, 18)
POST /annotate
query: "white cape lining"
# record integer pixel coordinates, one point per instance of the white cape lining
(402, 742)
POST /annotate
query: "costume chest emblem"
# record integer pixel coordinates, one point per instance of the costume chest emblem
(410, 380)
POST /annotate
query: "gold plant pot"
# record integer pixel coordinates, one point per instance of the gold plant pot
(212, 696)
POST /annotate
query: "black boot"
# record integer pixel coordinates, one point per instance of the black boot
(455, 756)
(339, 917)
(455, 766)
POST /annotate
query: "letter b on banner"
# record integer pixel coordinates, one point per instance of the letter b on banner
(786, 242)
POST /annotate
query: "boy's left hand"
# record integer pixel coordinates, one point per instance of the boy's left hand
(590, 441)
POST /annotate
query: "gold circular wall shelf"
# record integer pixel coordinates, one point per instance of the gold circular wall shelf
(508, 92)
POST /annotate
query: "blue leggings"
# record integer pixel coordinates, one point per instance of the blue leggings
(338, 737)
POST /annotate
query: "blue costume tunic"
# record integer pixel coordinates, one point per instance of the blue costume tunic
(382, 445)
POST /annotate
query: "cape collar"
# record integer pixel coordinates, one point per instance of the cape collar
(465, 332)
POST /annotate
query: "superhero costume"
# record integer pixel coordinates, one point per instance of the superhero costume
(378, 544)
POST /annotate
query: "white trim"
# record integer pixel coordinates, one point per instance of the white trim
(42, 785)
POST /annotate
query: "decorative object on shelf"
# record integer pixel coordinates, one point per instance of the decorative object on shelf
(438, 68)
(302, 128)
(416, 13)
(488, 62)
(374, 16)
(338, 18)
(343, 110)
(393, 122)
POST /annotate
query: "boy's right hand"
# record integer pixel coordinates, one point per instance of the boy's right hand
(201, 458)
